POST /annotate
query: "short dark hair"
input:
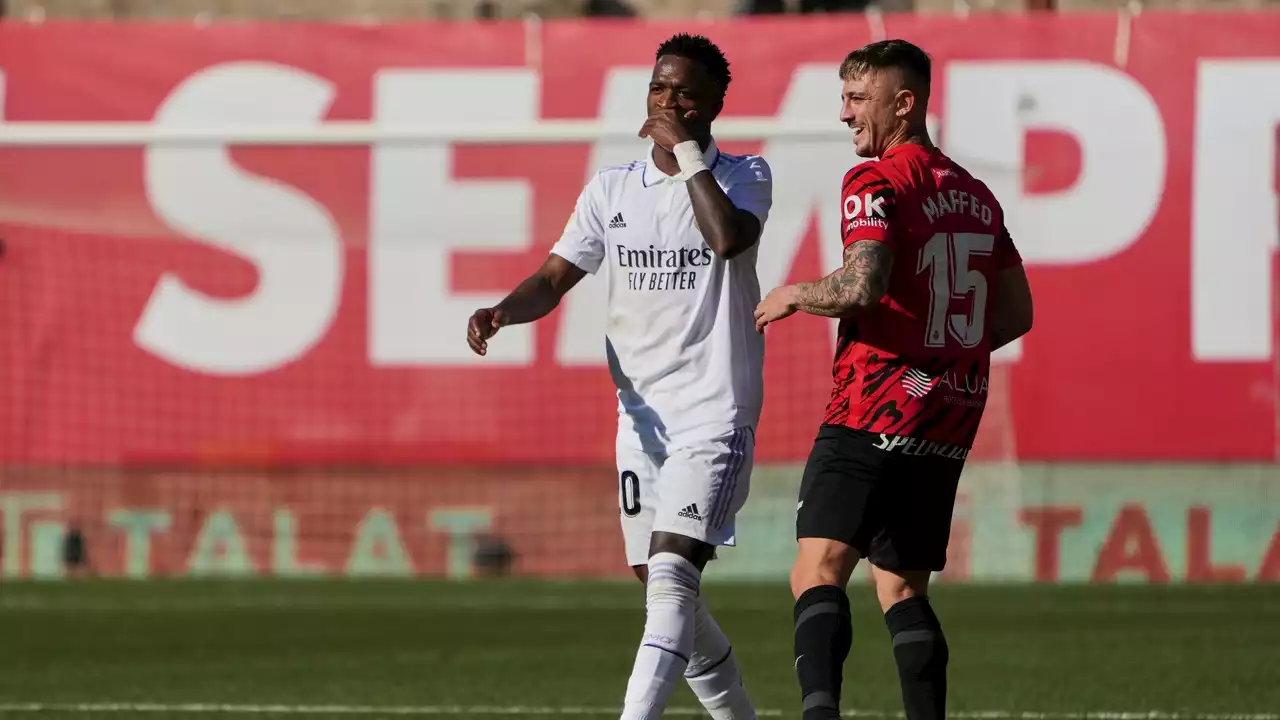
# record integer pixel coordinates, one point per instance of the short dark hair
(900, 54)
(700, 50)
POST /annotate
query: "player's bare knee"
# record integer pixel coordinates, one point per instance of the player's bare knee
(803, 579)
(695, 551)
(642, 573)
(892, 587)
(822, 562)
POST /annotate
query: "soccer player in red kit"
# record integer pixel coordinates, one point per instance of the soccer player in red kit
(931, 284)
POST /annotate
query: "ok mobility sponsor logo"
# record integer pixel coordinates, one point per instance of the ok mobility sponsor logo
(864, 211)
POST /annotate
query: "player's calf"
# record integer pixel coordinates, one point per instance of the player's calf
(823, 628)
(671, 598)
(713, 672)
(919, 645)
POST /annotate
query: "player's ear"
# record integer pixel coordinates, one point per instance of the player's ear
(904, 103)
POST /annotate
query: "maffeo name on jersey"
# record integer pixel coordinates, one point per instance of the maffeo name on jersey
(956, 202)
(663, 269)
(904, 445)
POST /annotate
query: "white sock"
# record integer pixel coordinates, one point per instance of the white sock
(671, 595)
(713, 672)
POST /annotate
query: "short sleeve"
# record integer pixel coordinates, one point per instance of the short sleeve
(751, 188)
(867, 205)
(1007, 254)
(582, 242)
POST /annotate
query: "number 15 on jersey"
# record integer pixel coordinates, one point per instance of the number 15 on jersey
(946, 257)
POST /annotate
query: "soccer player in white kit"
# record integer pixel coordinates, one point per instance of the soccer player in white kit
(675, 233)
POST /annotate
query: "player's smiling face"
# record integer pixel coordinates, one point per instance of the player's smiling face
(682, 85)
(869, 107)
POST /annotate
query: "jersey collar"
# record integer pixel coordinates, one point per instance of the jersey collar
(904, 148)
(653, 176)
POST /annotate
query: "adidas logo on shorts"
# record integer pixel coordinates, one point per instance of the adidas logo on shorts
(690, 511)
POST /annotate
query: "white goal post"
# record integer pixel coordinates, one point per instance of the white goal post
(360, 132)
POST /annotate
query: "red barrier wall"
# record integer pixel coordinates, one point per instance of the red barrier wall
(307, 304)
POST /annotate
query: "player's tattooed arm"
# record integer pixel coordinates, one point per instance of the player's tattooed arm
(858, 285)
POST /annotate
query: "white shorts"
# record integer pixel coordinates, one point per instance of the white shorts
(693, 489)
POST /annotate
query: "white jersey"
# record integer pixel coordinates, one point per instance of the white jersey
(681, 340)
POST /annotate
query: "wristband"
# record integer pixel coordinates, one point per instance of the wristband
(689, 157)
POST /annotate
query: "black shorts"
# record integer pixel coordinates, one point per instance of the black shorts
(892, 505)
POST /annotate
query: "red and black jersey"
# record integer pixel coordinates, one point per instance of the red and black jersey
(917, 364)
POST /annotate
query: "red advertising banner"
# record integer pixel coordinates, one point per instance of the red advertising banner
(355, 523)
(307, 304)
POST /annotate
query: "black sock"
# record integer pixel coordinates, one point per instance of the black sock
(823, 637)
(921, 651)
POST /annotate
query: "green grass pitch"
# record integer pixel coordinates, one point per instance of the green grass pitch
(488, 649)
